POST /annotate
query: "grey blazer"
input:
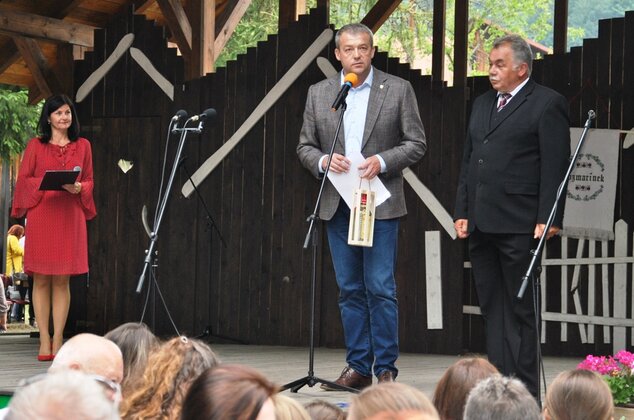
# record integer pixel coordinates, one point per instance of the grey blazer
(393, 129)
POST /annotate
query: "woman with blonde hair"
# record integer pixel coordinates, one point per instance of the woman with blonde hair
(287, 408)
(455, 384)
(578, 395)
(391, 400)
(136, 342)
(169, 373)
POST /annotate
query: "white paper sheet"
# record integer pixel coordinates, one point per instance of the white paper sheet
(347, 183)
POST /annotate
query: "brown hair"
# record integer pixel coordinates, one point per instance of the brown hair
(392, 398)
(136, 342)
(227, 392)
(578, 394)
(169, 373)
(455, 384)
(17, 231)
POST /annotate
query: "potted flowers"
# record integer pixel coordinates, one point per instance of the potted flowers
(618, 372)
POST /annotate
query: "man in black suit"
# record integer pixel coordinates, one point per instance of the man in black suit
(515, 156)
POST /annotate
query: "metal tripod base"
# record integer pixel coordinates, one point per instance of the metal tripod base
(312, 380)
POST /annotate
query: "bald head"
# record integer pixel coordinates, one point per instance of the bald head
(90, 353)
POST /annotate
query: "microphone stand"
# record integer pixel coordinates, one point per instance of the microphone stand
(211, 226)
(310, 379)
(163, 202)
(533, 266)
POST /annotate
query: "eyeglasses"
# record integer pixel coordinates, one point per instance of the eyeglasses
(361, 50)
(113, 389)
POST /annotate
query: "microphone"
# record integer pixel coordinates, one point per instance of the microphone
(180, 114)
(349, 81)
(77, 169)
(209, 113)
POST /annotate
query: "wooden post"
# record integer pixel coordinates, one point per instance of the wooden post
(560, 27)
(289, 11)
(438, 41)
(461, 42)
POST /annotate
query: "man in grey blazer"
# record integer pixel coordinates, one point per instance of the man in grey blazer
(515, 156)
(382, 122)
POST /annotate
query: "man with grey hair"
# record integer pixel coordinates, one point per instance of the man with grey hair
(63, 395)
(501, 398)
(90, 353)
(515, 156)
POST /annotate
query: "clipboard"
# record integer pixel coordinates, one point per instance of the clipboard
(53, 180)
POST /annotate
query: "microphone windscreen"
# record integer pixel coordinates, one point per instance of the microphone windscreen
(209, 113)
(181, 113)
(77, 168)
(352, 78)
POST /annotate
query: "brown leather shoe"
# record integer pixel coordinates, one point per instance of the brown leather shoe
(386, 376)
(350, 378)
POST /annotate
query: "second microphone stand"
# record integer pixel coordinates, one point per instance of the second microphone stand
(310, 379)
(532, 273)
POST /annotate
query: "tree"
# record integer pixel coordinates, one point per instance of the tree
(18, 121)
(407, 33)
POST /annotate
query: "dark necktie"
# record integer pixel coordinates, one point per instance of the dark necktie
(504, 98)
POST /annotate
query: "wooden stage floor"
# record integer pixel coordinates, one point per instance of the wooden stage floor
(280, 364)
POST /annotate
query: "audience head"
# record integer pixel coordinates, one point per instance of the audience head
(501, 398)
(67, 394)
(287, 408)
(90, 353)
(230, 392)
(456, 383)
(169, 372)
(17, 231)
(391, 400)
(136, 342)
(323, 410)
(578, 395)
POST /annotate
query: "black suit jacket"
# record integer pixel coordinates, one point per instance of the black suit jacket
(514, 161)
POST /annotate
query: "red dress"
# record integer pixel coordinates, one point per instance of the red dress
(56, 239)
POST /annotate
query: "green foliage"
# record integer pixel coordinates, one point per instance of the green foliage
(18, 121)
(407, 33)
(584, 15)
(260, 20)
(622, 387)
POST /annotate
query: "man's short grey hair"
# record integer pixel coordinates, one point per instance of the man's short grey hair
(521, 50)
(64, 395)
(501, 398)
(354, 28)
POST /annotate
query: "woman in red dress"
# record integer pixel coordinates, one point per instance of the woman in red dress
(57, 247)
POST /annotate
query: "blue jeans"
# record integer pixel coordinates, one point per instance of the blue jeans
(367, 293)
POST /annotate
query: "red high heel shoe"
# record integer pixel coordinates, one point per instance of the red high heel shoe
(46, 357)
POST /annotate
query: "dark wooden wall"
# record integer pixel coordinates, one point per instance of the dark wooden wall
(257, 288)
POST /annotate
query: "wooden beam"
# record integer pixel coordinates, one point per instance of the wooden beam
(438, 41)
(203, 20)
(208, 37)
(9, 54)
(229, 26)
(36, 26)
(290, 11)
(179, 25)
(379, 13)
(461, 42)
(64, 68)
(560, 27)
(37, 63)
(140, 6)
